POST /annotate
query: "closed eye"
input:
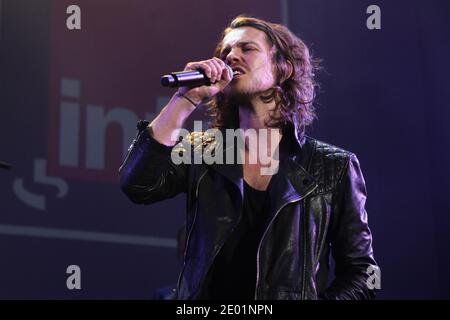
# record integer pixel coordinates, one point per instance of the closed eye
(224, 54)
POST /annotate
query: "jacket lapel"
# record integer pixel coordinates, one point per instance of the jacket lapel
(231, 170)
(291, 183)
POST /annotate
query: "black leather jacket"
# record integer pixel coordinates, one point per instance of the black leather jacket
(317, 203)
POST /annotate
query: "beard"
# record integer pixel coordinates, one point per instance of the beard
(244, 96)
(238, 97)
(247, 99)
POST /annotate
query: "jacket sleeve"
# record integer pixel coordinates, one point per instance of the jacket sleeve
(148, 174)
(351, 238)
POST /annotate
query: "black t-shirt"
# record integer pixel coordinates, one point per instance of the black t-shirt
(233, 273)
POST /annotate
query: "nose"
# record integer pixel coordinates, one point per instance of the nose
(232, 56)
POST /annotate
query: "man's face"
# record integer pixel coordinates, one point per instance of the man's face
(247, 49)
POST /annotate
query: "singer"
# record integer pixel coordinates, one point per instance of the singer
(252, 235)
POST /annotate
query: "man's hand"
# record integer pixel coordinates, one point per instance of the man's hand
(219, 75)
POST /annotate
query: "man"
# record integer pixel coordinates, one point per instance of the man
(253, 235)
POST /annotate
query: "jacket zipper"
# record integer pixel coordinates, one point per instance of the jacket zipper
(304, 253)
(130, 148)
(265, 232)
(190, 232)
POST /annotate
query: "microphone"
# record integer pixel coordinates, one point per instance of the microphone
(189, 78)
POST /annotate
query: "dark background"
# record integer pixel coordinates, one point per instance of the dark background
(384, 95)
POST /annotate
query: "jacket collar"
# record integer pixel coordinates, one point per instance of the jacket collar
(292, 181)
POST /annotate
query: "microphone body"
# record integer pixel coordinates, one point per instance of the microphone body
(189, 78)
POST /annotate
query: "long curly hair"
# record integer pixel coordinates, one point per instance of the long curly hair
(294, 89)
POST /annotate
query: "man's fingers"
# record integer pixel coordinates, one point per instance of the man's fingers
(215, 69)
(205, 67)
(218, 68)
(227, 75)
(221, 63)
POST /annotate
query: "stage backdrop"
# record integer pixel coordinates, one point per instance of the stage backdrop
(70, 100)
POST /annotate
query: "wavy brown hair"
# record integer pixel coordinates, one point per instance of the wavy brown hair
(293, 92)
